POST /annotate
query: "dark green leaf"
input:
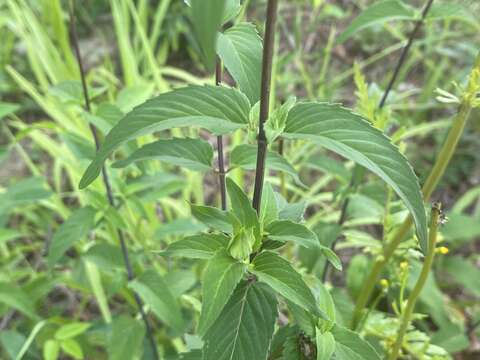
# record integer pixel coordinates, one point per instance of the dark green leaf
(221, 277)
(216, 108)
(75, 228)
(286, 230)
(348, 134)
(277, 272)
(240, 49)
(207, 18)
(212, 217)
(245, 327)
(193, 154)
(350, 346)
(245, 157)
(202, 246)
(154, 292)
(126, 339)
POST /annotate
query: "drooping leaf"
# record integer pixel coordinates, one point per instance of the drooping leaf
(153, 290)
(286, 230)
(212, 217)
(215, 108)
(241, 205)
(349, 135)
(207, 19)
(245, 157)
(72, 230)
(277, 272)
(126, 339)
(325, 345)
(350, 346)
(202, 246)
(244, 329)
(240, 48)
(378, 12)
(221, 277)
(193, 154)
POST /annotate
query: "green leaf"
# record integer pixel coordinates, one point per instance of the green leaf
(51, 349)
(71, 330)
(325, 345)
(350, 346)
(332, 257)
(207, 18)
(202, 246)
(348, 134)
(232, 7)
(221, 277)
(241, 205)
(23, 192)
(7, 109)
(286, 230)
(277, 272)
(72, 348)
(8, 234)
(182, 227)
(240, 48)
(13, 296)
(126, 340)
(327, 306)
(268, 208)
(245, 157)
(155, 293)
(72, 230)
(193, 154)
(378, 12)
(244, 329)
(212, 217)
(215, 108)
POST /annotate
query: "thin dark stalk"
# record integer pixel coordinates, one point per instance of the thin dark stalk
(268, 46)
(221, 161)
(381, 105)
(106, 181)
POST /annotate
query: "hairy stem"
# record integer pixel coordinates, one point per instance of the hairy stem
(221, 161)
(381, 105)
(422, 279)
(441, 164)
(268, 45)
(107, 184)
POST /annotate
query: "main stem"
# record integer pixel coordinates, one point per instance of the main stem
(107, 184)
(443, 159)
(268, 48)
(422, 279)
(381, 105)
(221, 161)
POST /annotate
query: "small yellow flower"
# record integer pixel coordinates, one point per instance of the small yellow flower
(442, 250)
(404, 265)
(384, 283)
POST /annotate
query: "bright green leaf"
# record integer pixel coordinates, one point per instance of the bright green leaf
(244, 329)
(72, 230)
(240, 48)
(215, 108)
(241, 205)
(268, 208)
(221, 277)
(51, 349)
(72, 348)
(348, 134)
(153, 290)
(193, 154)
(378, 12)
(325, 345)
(277, 272)
(202, 246)
(7, 109)
(71, 330)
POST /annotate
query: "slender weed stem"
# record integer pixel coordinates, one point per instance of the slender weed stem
(106, 181)
(441, 164)
(381, 105)
(221, 161)
(422, 279)
(268, 49)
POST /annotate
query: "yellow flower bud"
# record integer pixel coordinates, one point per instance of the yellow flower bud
(384, 283)
(443, 250)
(404, 265)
